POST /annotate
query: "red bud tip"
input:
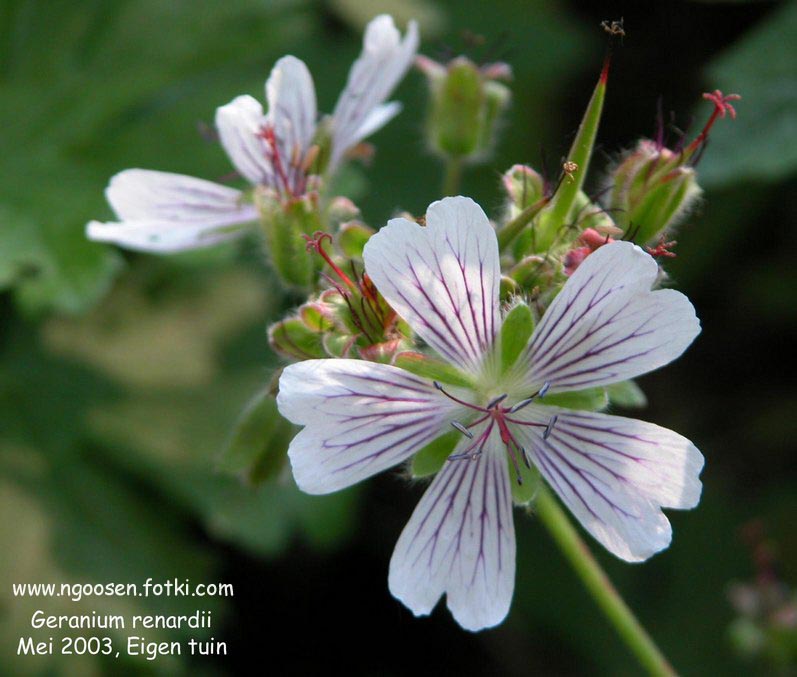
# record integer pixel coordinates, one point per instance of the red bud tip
(604, 78)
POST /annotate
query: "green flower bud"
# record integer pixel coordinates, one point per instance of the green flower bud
(509, 288)
(524, 187)
(284, 224)
(340, 211)
(337, 345)
(651, 189)
(466, 105)
(351, 238)
(533, 271)
(317, 316)
(293, 338)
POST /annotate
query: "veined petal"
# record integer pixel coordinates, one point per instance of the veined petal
(360, 418)
(167, 237)
(240, 124)
(373, 76)
(606, 325)
(163, 212)
(442, 279)
(292, 110)
(615, 474)
(375, 120)
(144, 194)
(460, 541)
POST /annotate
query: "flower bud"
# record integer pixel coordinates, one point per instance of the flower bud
(466, 104)
(650, 189)
(523, 187)
(284, 224)
(340, 211)
(293, 338)
(317, 316)
(351, 238)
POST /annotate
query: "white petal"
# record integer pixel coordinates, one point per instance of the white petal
(606, 325)
(460, 541)
(373, 76)
(615, 474)
(360, 418)
(292, 111)
(443, 278)
(165, 237)
(163, 212)
(375, 120)
(147, 194)
(240, 124)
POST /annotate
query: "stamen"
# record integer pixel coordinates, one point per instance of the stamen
(478, 445)
(524, 403)
(273, 153)
(458, 426)
(547, 432)
(521, 404)
(525, 456)
(496, 401)
(513, 456)
(437, 385)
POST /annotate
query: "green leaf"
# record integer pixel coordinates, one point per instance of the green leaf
(760, 144)
(259, 441)
(52, 266)
(515, 334)
(432, 457)
(591, 399)
(627, 394)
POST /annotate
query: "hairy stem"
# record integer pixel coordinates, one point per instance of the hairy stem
(453, 176)
(600, 587)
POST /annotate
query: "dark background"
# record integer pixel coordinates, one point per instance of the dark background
(122, 374)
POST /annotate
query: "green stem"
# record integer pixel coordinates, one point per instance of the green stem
(453, 175)
(599, 585)
(512, 229)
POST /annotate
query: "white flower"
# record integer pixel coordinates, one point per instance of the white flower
(162, 212)
(614, 474)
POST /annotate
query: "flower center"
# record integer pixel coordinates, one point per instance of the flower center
(500, 417)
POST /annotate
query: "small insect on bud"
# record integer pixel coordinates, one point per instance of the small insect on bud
(570, 168)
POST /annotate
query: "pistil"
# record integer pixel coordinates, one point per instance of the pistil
(499, 417)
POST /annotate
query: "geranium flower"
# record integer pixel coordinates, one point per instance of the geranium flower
(276, 151)
(615, 474)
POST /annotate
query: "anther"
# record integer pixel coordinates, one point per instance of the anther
(546, 434)
(466, 456)
(458, 426)
(496, 401)
(521, 404)
(513, 457)
(437, 385)
(525, 455)
(524, 403)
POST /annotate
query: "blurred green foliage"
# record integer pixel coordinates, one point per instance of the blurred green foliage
(123, 375)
